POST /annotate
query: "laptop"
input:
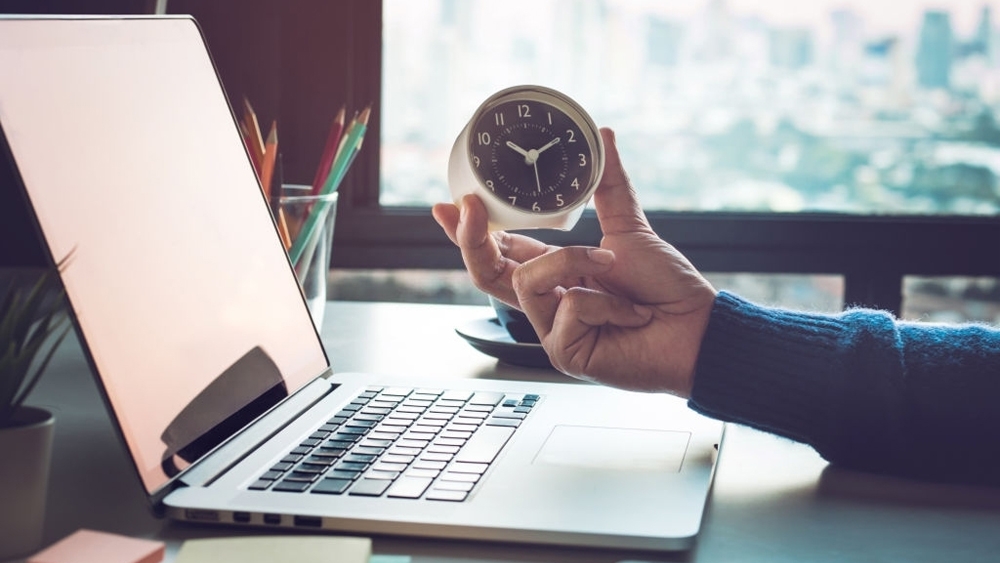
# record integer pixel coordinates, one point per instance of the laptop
(128, 157)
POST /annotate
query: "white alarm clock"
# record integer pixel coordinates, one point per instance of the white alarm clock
(532, 155)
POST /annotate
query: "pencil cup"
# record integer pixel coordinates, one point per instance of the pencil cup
(306, 223)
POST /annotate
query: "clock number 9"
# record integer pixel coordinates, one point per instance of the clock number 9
(475, 160)
(489, 184)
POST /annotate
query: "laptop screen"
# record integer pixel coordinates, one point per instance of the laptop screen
(132, 162)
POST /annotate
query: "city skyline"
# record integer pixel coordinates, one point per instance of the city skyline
(881, 16)
(718, 111)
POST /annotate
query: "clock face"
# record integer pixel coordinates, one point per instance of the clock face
(533, 156)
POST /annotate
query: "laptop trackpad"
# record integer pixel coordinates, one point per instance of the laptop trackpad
(614, 448)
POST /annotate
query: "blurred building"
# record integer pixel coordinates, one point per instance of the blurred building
(935, 51)
(791, 48)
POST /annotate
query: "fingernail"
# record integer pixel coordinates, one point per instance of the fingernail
(600, 255)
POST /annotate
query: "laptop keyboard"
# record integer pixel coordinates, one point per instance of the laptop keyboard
(402, 443)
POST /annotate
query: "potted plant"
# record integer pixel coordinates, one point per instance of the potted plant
(32, 325)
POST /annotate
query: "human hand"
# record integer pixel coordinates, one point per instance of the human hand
(629, 314)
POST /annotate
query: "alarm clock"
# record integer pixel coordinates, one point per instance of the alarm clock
(532, 155)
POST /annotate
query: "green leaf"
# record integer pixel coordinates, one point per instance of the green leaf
(30, 317)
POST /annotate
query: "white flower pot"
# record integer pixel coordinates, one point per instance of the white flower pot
(25, 452)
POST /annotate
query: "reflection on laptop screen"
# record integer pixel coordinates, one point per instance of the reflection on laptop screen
(132, 161)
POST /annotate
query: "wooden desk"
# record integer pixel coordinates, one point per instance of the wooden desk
(773, 500)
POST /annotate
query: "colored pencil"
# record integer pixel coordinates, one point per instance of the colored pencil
(351, 145)
(286, 239)
(329, 151)
(255, 140)
(270, 157)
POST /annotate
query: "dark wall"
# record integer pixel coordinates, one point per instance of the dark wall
(295, 60)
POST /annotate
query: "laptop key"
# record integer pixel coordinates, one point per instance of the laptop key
(509, 422)
(485, 444)
(454, 496)
(260, 485)
(463, 486)
(457, 395)
(483, 398)
(359, 458)
(349, 475)
(409, 487)
(450, 441)
(351, 466)
(432, 456)
(464, 467)
(332, 486)
(369, 487)
(463, 477)
(287, 486)
(428, 473)
(427, 464)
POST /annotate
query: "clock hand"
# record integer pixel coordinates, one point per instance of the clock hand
(538, 182)
(548, 145)
(520, 151)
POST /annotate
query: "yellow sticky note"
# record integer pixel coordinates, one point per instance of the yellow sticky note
(271, 549)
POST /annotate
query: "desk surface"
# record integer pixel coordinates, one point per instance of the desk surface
(773, 500)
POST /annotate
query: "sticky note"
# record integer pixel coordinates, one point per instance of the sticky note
(90, 546)
(269, 549)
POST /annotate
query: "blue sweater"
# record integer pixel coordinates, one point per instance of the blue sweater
(867, 391)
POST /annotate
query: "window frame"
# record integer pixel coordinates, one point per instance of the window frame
(873, 253)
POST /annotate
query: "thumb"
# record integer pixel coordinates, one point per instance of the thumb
(618, 208)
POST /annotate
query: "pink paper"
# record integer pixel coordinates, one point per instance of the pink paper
(89, 546)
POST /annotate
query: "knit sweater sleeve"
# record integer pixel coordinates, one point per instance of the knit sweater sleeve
(867, 391)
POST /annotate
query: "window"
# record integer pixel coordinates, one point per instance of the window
(386, 222)
(876, 107)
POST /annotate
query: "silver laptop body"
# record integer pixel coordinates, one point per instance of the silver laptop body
(130, 160)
